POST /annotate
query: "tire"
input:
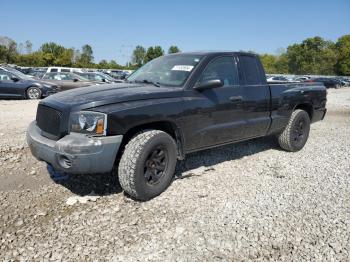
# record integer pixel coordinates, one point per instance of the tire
(33, 93)
(140, 167)
(296, 133)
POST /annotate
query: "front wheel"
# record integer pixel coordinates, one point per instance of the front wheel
(33, 93)
(296, 133)
(147, 165)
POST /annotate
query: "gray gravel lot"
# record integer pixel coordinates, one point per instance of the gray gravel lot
(249, 201)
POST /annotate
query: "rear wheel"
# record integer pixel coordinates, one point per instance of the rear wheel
(296, 133)
(147, 165)
(33, 93)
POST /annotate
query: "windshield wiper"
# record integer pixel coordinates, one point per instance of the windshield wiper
(157, 84)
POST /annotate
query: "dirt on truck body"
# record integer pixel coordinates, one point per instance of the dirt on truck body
(172, 106)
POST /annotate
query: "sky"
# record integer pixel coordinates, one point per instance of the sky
(114, 28)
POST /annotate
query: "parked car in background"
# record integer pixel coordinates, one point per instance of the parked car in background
(301, 78)
(344, 81)
(36, 73)
(117, 74)
(62, 69)
(278, 79)
(15, 84)
(67, 80)
(328, 82)
(98, 76)
(347, 81)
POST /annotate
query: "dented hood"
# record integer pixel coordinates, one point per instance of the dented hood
(92, 96)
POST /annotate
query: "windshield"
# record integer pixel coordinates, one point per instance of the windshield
(63, 76)
(19, 74)
(172, 70)
(72, 76)
(105, 76)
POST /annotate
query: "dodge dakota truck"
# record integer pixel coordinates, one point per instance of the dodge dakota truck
(172, 106)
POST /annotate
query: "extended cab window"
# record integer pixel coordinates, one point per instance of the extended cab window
(250, 69)
(223, 68)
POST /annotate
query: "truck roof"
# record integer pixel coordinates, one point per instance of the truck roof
(216, 53)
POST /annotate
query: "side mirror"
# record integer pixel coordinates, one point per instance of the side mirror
(75, 80)
(104, 80)
(15, 79)
(208, 84)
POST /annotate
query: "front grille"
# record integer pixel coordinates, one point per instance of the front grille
(49, 120)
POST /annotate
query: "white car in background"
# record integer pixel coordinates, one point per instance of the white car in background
(301, 78)
(62, 69)
(277, 79)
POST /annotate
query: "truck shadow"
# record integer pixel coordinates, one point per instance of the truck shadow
(99, 184)
(106, 184)
(207, 158)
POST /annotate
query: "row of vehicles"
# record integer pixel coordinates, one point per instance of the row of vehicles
(329, 82)
(36, 83)
(38, 72)
(15, 84)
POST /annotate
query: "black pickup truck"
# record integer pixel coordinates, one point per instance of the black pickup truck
(171, 106)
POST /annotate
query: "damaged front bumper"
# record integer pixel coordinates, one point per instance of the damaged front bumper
(75, 153)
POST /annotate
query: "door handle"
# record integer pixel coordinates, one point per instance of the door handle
(236, 98)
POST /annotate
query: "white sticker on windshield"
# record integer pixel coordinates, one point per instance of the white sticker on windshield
(186, 68)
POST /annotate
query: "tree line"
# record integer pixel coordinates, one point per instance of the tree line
(50, 54)
(312, 56)
(53, 54)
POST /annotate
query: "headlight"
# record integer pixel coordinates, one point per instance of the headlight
(86, 122)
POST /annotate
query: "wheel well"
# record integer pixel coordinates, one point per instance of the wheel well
(25, 92)
(306, 107)
(165, 126)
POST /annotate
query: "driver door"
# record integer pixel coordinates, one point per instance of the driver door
(8, 87)
(218, 117)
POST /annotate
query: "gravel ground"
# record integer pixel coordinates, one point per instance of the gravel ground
(249, 201)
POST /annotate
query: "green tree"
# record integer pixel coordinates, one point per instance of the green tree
(114, 65)
(103, 64)
(312, 56)
(3, 54)
(343, 49)
(173, 49)
(32, 59)
(158, 51)
(269, 63)
(48, 59)
(281, 65)
(138, 55)
(52, 48)
(20, 48)
(149, 54)
(28, 46)
(8, 51)
(86, 58)
(66, 58)
(153, 52)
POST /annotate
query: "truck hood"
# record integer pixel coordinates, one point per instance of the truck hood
(98, 95)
